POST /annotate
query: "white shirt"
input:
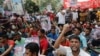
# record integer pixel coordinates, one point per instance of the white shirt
(68, 51)
(61, 18)
(74, 16)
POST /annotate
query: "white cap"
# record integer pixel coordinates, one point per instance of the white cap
(90, 9)
(64, 11)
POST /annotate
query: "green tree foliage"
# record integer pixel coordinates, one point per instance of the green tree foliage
(54, 3)
(31, 7)
(1, 2)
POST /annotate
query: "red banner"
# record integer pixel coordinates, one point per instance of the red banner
(65, 3)
(85, 4)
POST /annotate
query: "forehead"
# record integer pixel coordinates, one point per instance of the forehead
(76, 29)
(86, 29)
(27, 50)
(52, 29)
(75, 40)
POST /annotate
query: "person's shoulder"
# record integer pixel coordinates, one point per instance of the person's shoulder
(49, 33)
(44, 39)
(84, 52)
(10, 41)
(65, 47)
(23, 38)
(41, 55)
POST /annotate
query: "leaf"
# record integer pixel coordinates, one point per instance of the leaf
(31, 7)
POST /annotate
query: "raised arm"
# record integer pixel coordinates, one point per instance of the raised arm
(58, 41)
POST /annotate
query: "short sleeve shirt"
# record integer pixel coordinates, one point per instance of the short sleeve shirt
(43, 44)
(11, 42)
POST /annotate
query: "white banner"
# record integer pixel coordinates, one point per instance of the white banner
(73, 2)
(19, 50)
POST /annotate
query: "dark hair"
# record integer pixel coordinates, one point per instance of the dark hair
(15, 14)
(16, 34)
(74, 37)
(53, 27)
(80, 29)
(33, 47)
(42, 31)
(4, 36)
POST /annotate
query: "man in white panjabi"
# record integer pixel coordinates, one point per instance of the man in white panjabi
(61, 17)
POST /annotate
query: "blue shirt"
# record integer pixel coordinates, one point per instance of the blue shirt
(83, 41)
(53, 36)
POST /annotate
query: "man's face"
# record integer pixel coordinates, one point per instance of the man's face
(53, 31)
(87, 32)
(39, 33)
(1, 40)
(17, 37)
(76, 31)
(75, 45)
(28, 53)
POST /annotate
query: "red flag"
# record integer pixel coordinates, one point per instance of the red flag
(65, 3)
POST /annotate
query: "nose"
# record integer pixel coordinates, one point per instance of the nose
(73, 43)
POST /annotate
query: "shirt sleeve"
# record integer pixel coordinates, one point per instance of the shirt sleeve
(62, 49)
(83, 42)
(11, 42)
(57, 15)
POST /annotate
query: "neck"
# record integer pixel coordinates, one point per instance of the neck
(76, 53)
(87, 35)
(41, 37)
(76, 34)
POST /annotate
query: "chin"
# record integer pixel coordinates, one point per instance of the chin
(74, 50)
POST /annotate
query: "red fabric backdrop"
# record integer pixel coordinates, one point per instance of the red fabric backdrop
(85, 4)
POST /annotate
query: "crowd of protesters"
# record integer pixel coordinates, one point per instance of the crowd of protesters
(70, 32)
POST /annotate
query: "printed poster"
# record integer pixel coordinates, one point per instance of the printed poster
(19, 50)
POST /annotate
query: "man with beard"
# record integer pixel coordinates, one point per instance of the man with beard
(74, 49)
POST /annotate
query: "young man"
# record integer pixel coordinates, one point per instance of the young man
(43, 42)
(61, 17)
(32, 49)
(74, 49)
(18, 39)
(96, 35)
(6, 45)
(83, 39)
(53, 35)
